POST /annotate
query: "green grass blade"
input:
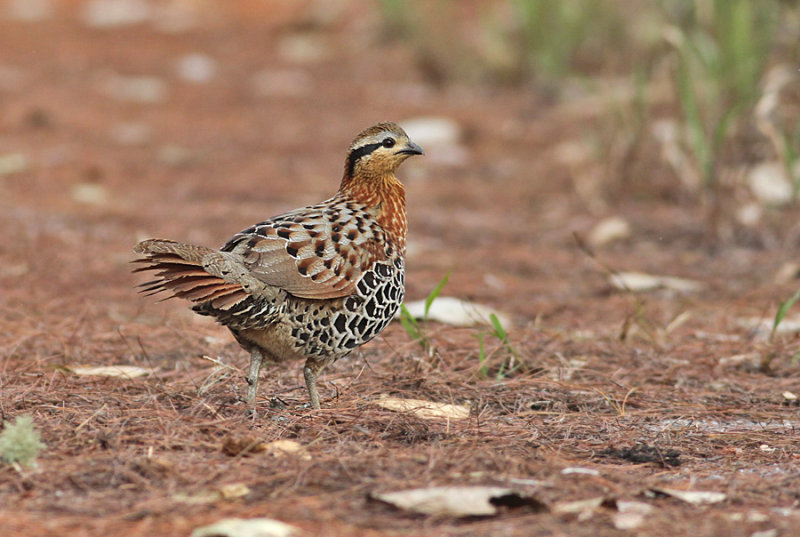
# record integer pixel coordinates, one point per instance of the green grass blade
(433, 294)
(409, 323)
(783, 309)
(499, 331)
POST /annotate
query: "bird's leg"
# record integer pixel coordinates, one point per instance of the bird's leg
(311, 371)
(252, 379)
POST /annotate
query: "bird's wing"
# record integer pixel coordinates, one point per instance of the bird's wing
(319, 252)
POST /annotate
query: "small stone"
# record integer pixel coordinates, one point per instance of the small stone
(130, 133)
(769, 183)
(302, 48)
(749, 214)
(13, 163)
(197, 68)
(787, 273)
(141, 89)
(115, 13)
(789, 396)
(177, 156)
(89, 194)
(609, 230)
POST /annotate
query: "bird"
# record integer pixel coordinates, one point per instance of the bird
(311, 284)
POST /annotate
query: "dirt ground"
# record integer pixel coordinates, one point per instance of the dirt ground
(622, 395)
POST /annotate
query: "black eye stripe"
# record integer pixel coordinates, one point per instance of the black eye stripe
(357, 153)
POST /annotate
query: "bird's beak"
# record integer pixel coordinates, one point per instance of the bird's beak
(411, 149)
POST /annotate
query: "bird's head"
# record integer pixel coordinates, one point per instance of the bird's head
(378, 151)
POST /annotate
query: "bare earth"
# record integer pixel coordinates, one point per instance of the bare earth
(612, 386)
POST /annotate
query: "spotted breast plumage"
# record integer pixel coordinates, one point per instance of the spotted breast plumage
(313, 283)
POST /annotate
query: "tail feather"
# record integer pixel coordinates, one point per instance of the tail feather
(178, 269)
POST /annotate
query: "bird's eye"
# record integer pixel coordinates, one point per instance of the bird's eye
(388, 142)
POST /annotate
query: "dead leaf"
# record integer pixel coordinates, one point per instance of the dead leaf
(225, 492)
(627, 521)
(233, 491)
(121, 371)
(242, 446)
(424, 409)
(578, 507)
(198, 498)
(456, 312)
(630, 514)
(694, 497)
(281, 448)
(242, 527)
(579, 470)
(457, 501)
(639, 282)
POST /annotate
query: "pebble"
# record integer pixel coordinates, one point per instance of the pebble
(302, 48)
(141, 89)
(115, 13)
(609, 230)
(175, 155)
(133, 133)
(787, 272)
(750, 214)
(89, 194)
(198, 68)
(13, 163)
(769, 183)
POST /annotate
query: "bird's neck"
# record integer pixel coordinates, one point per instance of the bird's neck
(385, 195)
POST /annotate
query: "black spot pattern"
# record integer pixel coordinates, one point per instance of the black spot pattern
(342, 325)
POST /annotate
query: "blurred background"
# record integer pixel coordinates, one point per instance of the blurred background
(616, 180)
(665, 133)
